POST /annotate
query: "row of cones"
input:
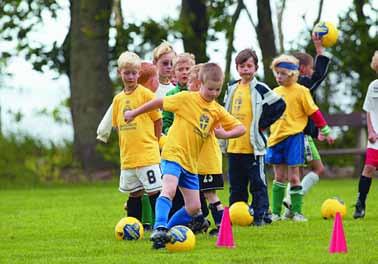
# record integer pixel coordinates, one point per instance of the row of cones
(337, 243)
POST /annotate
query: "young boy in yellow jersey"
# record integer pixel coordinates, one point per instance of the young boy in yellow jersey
(257, 107)
(209, 167)
(197, 115)
(138, 140)
(286, 141)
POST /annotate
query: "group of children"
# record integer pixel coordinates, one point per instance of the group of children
(174, 100)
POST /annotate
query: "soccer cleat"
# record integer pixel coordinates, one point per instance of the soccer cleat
(199, 227)
(297, 217)
(159, 237)
(214, 232)
(359, 210)
(288, 214)
(276, 217)
(267, 217)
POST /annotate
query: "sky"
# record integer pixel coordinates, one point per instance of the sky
(29, 91)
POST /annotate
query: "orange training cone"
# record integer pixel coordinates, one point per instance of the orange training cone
(338, 243)
(225, 237)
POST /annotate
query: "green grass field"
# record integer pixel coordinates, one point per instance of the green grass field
(75, 224)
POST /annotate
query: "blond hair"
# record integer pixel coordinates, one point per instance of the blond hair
(211, 72)
(129, 59)
(194, 71)
(184, 57)
(160, 50)
(374, 61)
(293, 74)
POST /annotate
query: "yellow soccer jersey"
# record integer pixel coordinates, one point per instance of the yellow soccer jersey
(241, 109)
(137, 141)
(194, 120)
(299, 105)
(210, 158)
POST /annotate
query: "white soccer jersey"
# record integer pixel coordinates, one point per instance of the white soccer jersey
(371, 106)
(163, 90)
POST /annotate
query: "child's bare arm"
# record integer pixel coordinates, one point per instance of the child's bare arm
(147, 107)
(237, 131)
(372, 134)
(158, 124)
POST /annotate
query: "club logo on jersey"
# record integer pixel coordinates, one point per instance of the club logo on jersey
(204, 121)
(237, 104)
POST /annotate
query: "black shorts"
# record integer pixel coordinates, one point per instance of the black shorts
(210, 182)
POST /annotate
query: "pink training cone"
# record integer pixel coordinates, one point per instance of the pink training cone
(338, 243)
(225, 237)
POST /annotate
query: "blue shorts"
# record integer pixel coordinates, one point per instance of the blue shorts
(186, 179)
(289, 151)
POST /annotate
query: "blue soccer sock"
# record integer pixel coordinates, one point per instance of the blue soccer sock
(163, 206)
(181, 217)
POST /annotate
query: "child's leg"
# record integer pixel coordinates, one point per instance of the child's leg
(258, 188)
(146, 211)
(278, 188)
(363, 190)
(134, 205)
(177, 203)
(295, 189)
(164, 202)
(238, 178)
(215, 206)
(316, 165)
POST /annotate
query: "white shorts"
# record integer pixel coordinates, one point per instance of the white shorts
(147, 178)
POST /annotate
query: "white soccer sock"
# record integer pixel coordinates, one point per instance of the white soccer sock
(309, 180)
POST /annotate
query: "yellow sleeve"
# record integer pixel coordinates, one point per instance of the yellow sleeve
(308, 103)
(114, 112)
(227, 121)
(173, 103)
(155, 114)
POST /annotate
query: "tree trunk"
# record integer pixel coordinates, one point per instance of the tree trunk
(265, 35)
(91, 91)
(195, 23)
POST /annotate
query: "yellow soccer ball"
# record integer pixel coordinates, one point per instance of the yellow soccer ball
(182, 239)
(331, 206)
(129, 228)
(240, 214)
(328, 33)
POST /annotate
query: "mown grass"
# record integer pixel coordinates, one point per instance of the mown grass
(75, 224)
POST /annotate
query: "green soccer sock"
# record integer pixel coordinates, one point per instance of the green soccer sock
(278, 193)
(296, 195)
(146, 210)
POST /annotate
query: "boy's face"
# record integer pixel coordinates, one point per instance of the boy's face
(193, 83)
(164, 65)
(129, 76)
(306, 70)
(282, 76)
(247, 69)
(210, 90)
(182, 72)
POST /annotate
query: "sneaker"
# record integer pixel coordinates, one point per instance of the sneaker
(267, 217)
(159, 238)
(297, 217)
(276, 217)
(199, 227)
(288, 214)
(359, 210)
(214, 232)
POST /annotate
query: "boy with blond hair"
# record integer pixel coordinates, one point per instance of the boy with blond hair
(371, 161)
(286, 141)
(138, 140)
(181, 66)
(197, 115)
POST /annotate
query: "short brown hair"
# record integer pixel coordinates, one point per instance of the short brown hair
(244, 55)
(211, 72)
(147, 70)
(304, 58)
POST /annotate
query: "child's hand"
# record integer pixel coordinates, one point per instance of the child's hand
(321, 137)
(220, 133)
(317, 40)
(372, 137)
(129, 116)
(330, 139)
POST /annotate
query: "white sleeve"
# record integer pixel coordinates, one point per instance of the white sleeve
(368, 104)
(105, 127)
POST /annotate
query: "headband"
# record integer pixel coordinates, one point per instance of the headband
(287, 65)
